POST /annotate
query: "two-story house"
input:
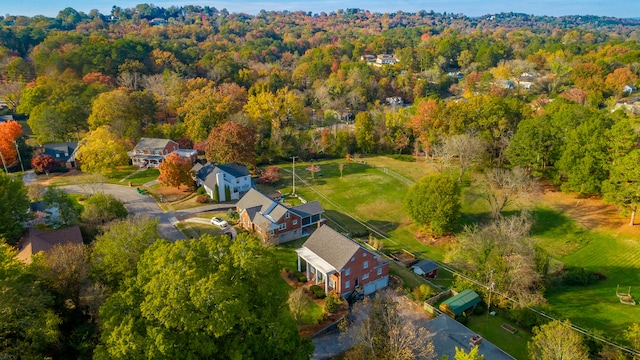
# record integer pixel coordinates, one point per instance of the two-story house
(234, 176)
(273, 221)
(150, 152)
(342, 264)
(63, 153)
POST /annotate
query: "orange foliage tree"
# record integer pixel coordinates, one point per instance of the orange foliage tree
(174, 171)
(9, 132)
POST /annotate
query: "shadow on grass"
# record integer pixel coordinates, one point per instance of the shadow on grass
(551, 221)
(345, 223)
(383, 226)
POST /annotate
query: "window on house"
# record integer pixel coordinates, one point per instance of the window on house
(57, 155)
(364, 254)
(66, 154)
(295, 222)
(353, 258)
(347, 271)
(347, 284)
(366, 264)
(271, 232)
(379, 271)
(287, 215)
(365, 276)
(283, 226)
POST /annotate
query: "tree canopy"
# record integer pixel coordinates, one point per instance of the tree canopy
(434, 201)
(14, 207)
(231, 142)
(202, 298)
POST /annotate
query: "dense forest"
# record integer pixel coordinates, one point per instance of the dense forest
(553, 97)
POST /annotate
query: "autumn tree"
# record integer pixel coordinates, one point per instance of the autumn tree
(231, 142)
(101, 151)
(365, 136)
(211, 297)
(473, 354)
(463, 151)
(380, 331)
(434, 201)
(618, 79)
(270, 175)
(9, 132)
(175, 171)
(502, 188)
(557, 341)
(44, 163)
(210, 106)
(504, 249)
(14, 208)
(124, 111)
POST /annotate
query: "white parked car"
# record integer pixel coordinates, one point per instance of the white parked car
(219, 222)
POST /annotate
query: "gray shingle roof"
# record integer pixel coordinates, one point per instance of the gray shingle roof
(331, 246)
(60, 149)
(308, 209)
(234, 169)
(152, 144)
(426, 266)
(446, 334)
(257, 204)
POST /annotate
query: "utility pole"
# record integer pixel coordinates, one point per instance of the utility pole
(4, 163)
(19, 157)
(491, 284)
(294, 174)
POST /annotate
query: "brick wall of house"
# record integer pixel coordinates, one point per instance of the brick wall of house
(358, 271)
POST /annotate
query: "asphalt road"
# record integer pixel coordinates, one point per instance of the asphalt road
(138, 204)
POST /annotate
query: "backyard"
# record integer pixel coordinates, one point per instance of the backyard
(576, 232)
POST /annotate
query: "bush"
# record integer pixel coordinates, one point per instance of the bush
(403, 157)
(331, 303)
(317, 291)
(479, 310)
(422, 292)
(300, 276)
(202, 199)
(462, 319)
(201, 191)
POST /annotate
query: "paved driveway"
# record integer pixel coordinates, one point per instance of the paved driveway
(138, 204)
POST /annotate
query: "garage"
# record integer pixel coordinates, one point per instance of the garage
(376, 285)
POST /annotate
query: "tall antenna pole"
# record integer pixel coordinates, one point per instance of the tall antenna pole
(19, 157)
(294, 174)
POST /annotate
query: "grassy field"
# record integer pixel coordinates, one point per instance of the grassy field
(615, 256)
(367, 195)
(364, 195)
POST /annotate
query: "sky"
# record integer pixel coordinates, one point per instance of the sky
(617, 8)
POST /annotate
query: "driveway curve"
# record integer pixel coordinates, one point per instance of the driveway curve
(138, 204)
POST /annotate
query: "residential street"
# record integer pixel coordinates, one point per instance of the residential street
(139, 204)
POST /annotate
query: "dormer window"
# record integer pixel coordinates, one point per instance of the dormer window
(287, 215)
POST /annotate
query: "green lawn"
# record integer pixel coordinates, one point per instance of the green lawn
(364, 195)
(490, 328)
(144, 176)
(615, 256)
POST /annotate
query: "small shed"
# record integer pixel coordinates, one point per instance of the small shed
(427, 268)
(458, 304)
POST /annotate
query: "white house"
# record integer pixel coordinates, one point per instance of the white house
(234, 176)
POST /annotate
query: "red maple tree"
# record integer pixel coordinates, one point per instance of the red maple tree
(270, 175)
(174, 171)
(9, 132)
(44, 163)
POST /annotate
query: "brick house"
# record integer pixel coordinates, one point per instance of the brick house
(341, 264)
(150, 152)
(273, 221)
(63, 153)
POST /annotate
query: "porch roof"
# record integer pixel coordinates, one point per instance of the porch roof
(315, 260)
